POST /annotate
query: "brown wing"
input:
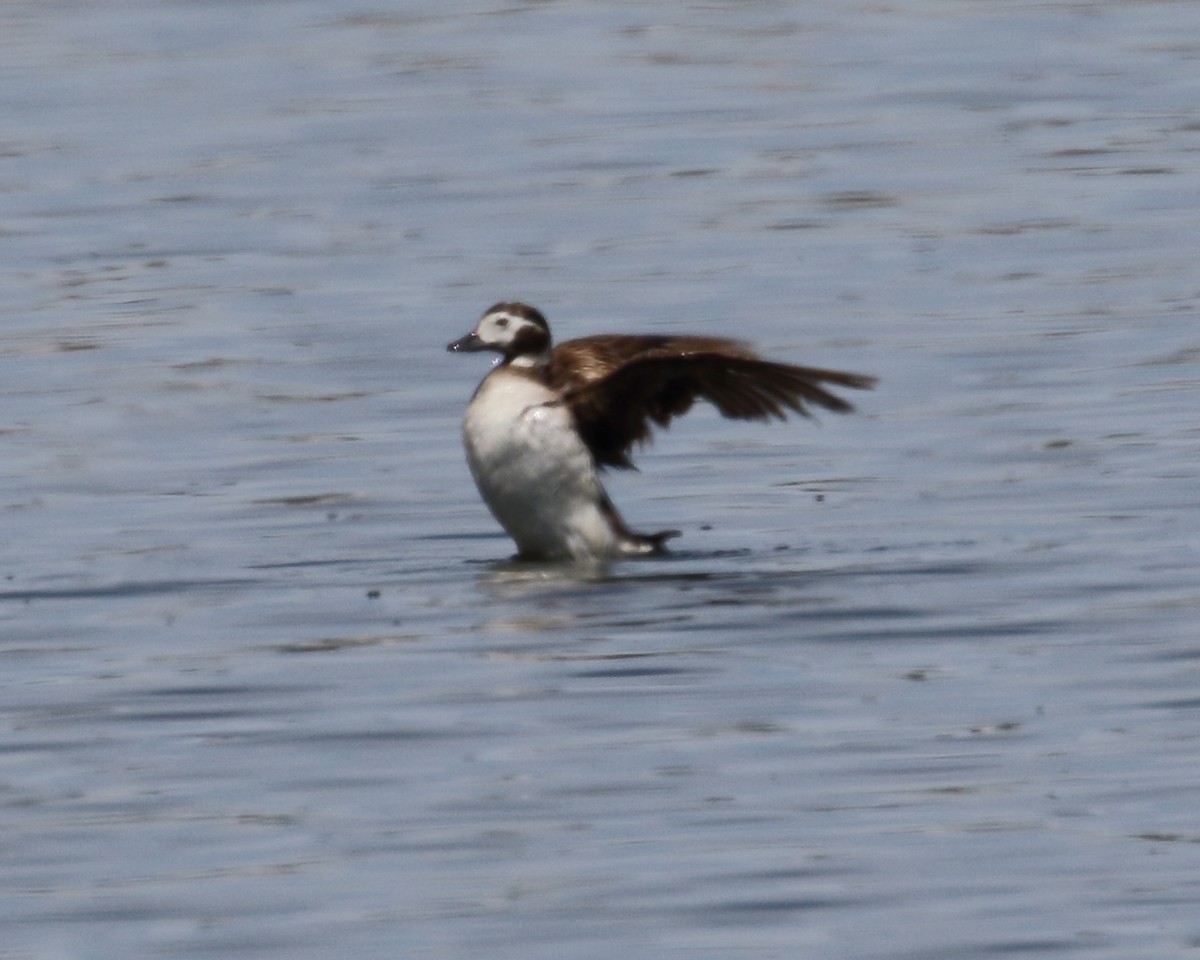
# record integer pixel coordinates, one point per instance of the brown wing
(617, 410)
(576, 363)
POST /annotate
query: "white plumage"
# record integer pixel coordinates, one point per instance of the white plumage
(533, 470)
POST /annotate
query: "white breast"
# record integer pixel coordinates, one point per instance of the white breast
(533, 470)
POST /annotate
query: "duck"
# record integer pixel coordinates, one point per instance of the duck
(548, 419)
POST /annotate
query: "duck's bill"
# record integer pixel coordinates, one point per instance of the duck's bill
(468, 344)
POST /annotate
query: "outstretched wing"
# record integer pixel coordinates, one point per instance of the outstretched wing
(585, 360)
(652, 385)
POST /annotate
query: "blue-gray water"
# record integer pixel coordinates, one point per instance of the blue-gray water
(919, 683)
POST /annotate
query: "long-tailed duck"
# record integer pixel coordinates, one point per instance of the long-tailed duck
(545, 420)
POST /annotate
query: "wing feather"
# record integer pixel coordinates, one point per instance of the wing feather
(619, 387)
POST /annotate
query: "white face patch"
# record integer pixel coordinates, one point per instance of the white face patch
(500, 328)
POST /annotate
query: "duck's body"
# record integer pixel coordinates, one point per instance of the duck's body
(535, 473)
(545, 420)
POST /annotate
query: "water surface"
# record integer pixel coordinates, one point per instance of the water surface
(918, 683)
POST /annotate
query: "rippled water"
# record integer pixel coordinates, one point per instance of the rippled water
(918, 683)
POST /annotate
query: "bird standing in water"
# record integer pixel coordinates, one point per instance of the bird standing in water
(548, 418)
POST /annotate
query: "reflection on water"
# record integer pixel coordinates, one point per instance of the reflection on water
(920, 683)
